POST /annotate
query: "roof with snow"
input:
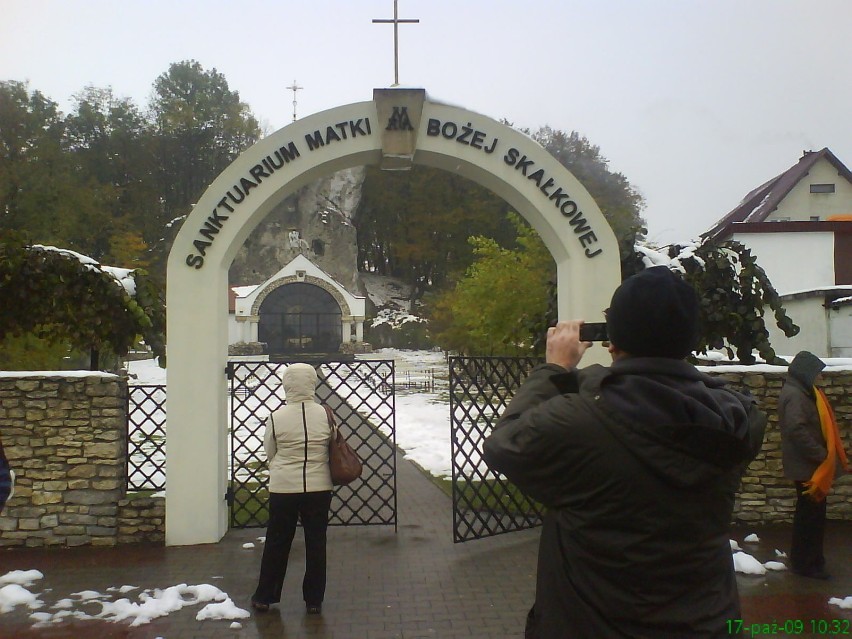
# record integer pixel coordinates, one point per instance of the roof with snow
(762, 201)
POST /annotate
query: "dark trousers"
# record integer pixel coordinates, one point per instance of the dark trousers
(285, 509)
(806, 551)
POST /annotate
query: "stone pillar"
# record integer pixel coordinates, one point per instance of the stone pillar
(359, 330)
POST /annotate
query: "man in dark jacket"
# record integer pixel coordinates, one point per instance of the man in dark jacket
(637, 465)
(805, 455)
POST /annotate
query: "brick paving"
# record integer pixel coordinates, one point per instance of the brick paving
(414, 583)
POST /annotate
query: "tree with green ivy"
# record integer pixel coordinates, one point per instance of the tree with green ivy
(507, 298)
(734, 292)
(59, 297)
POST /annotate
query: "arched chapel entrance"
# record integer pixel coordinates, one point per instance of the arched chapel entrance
(300, 318)
(396, 129)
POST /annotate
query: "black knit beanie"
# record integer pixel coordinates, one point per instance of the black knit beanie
(805, 367)
(654, 314)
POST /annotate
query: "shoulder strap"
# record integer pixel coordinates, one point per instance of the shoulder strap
(330, 415)
(332, 424)
(272, 421)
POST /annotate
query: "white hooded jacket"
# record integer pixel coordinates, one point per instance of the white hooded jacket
(297, 436)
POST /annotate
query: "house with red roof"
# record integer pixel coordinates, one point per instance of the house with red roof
(798, 225)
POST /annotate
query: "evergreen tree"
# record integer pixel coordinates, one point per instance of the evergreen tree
(36, 187)
(620, 203)
(110, 144)
(201, 126)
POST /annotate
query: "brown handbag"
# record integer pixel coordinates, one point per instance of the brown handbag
(344, 463)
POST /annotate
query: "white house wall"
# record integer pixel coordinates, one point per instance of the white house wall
(809, 315)
(801, 205)
(793, 261)
(840, 331)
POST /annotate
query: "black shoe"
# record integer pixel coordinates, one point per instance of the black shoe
(259, 606)
(313, 609)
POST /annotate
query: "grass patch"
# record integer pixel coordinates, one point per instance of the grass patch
(250, 507)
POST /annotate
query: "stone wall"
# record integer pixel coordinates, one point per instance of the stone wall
(766, 496)
(65, 435)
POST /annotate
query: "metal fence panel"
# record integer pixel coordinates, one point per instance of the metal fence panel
(484, 503)
(146, 437)
(361, 394)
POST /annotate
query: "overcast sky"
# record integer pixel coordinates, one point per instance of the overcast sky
(695, 102)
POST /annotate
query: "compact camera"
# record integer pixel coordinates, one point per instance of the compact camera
(593, 332)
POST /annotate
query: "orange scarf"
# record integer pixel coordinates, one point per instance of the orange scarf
(823, 476)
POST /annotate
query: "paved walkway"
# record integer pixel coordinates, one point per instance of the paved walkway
(411, 584)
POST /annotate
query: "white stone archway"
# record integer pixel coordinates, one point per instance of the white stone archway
(396, 129)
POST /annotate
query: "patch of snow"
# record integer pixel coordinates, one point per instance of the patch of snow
(87, 595)
(734, 545)
(244, 291)
(394, 318)
(846, 603)
(748, 565)
(150, 604)
(224, 610)
(774, 565)
(122, 276)
(21, 577)
(12, 595)
(752, 539)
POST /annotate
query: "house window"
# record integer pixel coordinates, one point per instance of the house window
(814, 218)
(822, 188)
(318, 247)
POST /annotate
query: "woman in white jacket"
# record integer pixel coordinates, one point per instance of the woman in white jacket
(296, 444)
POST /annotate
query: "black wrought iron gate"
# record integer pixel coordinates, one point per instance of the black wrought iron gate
(361, 394)
(484, 503)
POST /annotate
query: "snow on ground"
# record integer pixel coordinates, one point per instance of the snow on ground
(19, 588)
(747, 564)
(15, 590)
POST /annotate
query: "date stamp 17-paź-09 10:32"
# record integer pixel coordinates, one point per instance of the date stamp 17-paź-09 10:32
(791, 628)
